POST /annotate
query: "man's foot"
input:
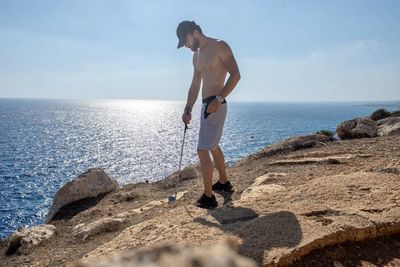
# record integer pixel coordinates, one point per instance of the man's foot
(226, 187)
(206, 202)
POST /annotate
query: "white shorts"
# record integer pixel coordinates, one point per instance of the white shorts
(211, 128)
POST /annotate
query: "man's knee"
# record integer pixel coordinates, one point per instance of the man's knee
(215, 150)
(201, 151)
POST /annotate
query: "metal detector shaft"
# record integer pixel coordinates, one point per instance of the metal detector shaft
(180, 161)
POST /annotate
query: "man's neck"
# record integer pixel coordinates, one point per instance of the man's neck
(203, 42)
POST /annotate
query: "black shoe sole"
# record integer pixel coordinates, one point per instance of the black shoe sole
(205, 207)
(223, 190)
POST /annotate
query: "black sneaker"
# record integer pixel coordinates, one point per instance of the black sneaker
(226, 187)
(206, 202)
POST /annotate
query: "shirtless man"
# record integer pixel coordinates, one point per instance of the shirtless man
(212, 60)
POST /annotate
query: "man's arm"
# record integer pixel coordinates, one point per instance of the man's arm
(231, 66)
(192, 94)
(194, 87)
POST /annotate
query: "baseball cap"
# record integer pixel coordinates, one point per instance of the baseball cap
(183, 29)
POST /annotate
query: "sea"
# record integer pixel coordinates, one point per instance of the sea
(46, 143)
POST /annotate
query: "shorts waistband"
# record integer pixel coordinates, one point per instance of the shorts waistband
(211, 98)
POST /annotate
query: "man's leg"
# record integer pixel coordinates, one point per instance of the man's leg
(220, 164)
(206, 170)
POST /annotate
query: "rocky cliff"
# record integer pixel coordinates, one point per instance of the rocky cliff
(295, 202)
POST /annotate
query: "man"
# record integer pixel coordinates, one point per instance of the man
(212, 60)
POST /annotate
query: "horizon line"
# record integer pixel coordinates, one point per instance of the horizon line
(397, 101)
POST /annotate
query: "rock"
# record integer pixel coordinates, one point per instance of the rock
(260, 191)
(220, 255)
(146, 207)
(382, 114)
(155, 203)
(357, 128)
(190, 172)
(389, 130)
(82, 231)
(395, 170)
(326, 132)
(125, 196)
(379, 114)
(388, 121)
(294, 143)
(269, 177)
(389, 126)
(291, 221)
(316, 160)
(24, 240)
(89, 184)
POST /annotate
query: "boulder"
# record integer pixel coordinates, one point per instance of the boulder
(357, 128)
(388, 121)
(294, 143)
(89, 184)
(83, 231)
(383, 113)
(190, 172)
(389, 126)
(380, 114)
(24, 240)
(219, 255)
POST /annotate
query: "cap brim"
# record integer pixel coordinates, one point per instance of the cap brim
(181, 43)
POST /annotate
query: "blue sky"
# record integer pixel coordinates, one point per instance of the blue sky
(286, 50)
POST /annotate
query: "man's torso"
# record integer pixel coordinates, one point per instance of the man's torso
(213, 72)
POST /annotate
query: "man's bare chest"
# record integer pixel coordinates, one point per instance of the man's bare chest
(207, 61)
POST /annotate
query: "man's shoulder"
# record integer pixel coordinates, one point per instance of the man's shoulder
(219, 43)
(222, 45)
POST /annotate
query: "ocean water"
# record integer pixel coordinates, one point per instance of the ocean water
(45, 143)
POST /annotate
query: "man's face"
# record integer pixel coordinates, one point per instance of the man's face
(192, 42)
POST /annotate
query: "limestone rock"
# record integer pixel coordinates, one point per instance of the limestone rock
(389, 126)
(269, 177)
(190, 172)
(220, 255)
(281, 224)
(295, 143)
(91, 183)
(357, 128)
(261, 191)
(82, 231)
(315, 160)
(24, 240)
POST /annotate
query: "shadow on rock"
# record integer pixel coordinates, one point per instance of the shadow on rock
(70, 210)
(259, 233)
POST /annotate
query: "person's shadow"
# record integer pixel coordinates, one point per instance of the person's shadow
(259, 233)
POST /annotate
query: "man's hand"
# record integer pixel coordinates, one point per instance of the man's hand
(186, 118)
(213, 106)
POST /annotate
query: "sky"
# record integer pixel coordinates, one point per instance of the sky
(342, 50)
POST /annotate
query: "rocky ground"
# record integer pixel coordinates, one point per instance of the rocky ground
(325, 204)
